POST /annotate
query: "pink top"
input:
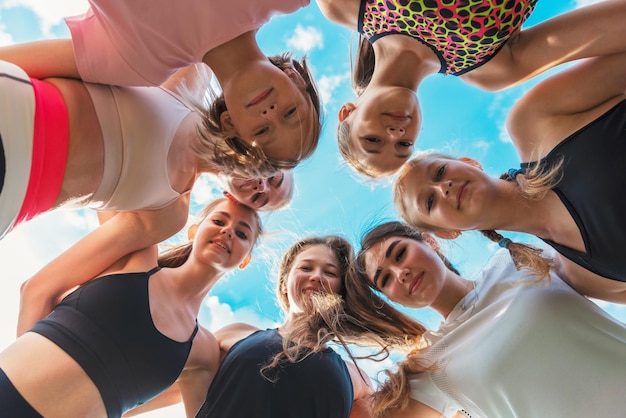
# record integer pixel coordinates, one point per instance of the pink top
(143, 42)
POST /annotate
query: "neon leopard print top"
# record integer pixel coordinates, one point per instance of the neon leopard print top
(463, 33)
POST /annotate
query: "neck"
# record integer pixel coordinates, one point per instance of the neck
(228, 59)
(400, 63)
(192, 282)
(454, 289)
(518, 213)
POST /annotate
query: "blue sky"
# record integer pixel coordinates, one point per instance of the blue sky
(329, 199)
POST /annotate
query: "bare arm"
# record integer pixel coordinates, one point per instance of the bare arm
(342, 12)
(122, 234)
(591, 31)
(43, 59)
(566, 102)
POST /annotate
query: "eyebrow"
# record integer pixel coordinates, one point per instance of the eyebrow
(387, 255)
(267, 199)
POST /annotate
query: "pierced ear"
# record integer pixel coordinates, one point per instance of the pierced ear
(226, 122)
(296, 77)
(471, 162)
(345, 110)
(245, 262)
(448, 234)
(191, 232)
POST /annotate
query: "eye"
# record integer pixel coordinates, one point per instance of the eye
(400, 253)
(372, 139)
(261, 131)
(242, 235)
(430, 202)
(219, 222)
(305, 268)
(291, 112)
(439, 173)
(330, 273)
(383, 281)
(255, 197)
(405, 144)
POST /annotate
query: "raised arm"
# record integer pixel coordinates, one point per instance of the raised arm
(342, 12)
(565, 102)
(43, 59)
(120, 234)
(590, 31)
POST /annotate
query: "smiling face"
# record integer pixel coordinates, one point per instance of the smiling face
(263, 193)
(445, 194)
(407, 271)
(314, 269)
(384, 124)
(270, 108)
(226, 236)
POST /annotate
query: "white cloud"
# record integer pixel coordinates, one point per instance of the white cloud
(50, 13)
(305, 39)
(221, 314)
(5, 38)
(327, 84)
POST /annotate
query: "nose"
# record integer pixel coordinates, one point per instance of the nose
(270, 111)
(227, 230)
(395, 131)
(401, 273)
(443, 187)
(260, 185)
(316, 275)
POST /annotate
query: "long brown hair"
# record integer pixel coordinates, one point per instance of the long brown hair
(393, 394)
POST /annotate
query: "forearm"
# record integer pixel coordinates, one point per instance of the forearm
(43, 59)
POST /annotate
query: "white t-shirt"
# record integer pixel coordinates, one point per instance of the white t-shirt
(513, 350)
(143, 42)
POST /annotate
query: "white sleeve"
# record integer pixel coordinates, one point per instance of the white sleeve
(424, 390)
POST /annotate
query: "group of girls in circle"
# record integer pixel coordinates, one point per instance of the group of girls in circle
(117, 119)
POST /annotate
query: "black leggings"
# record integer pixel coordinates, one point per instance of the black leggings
(12, 404)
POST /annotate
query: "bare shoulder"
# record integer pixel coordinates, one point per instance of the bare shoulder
(342, 12)
(231, 334)
(361, 383)
(205, 351)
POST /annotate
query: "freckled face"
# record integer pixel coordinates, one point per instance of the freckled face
(408, 272)
(226, 236)
(315, 269)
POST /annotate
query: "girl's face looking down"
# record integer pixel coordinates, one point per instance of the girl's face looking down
(407, 271)
(314, 269)
(270, 108)
(445, 194)
(384, 124)
(226, 236)
(263, 193)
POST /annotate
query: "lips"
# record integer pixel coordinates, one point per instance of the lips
(460, 194)
(222, 244)
(415, 283)
(261, 97)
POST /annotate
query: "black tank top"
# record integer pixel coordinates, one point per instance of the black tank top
(106, 326)
(316, 387)
(593, 189)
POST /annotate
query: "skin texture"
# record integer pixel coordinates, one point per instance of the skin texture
(405, 62)
(263, 193)
(220, 243)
